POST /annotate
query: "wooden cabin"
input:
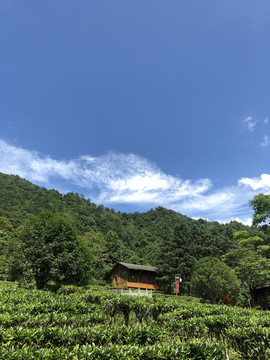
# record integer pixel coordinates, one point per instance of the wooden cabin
(134, 276)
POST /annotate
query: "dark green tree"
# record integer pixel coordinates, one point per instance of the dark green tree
(245, 241)
(97, 244)
(115, 248)
(251, 268)
(261, 207)
(50, 251)
(6, 236)
(5, 224)
(212, 280)
(5, 240)
(261, 216)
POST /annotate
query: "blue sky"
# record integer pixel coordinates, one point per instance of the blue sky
(138, 104)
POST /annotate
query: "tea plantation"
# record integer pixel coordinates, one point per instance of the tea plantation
(94, 323)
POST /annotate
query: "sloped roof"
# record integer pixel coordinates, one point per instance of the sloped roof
(137, 267)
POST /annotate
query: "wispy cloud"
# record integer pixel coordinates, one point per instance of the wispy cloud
(120, 177)
(114, 179)
(266, 141)
(251, 123)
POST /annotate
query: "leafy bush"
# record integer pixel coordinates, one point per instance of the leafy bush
(251, 343)
(92, 324)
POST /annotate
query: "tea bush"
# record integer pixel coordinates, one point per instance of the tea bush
(77, 323)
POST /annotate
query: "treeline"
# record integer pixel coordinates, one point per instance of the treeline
(163, 238)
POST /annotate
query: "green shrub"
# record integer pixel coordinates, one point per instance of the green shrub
(251, 343)
(92, 324)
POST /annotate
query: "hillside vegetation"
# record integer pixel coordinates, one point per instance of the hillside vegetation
(49, 240)
(97, 324)
(163, 238)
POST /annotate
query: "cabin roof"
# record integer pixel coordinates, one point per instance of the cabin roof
(135, 267)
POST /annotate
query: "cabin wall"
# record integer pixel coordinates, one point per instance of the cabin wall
(123, 277)
(120, 276)
(141, 277)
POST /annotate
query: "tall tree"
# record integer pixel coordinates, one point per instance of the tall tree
(50, 251)
(251, 268)
(261, 207)
(212, 280)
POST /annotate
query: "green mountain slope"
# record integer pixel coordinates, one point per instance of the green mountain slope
(160, 237)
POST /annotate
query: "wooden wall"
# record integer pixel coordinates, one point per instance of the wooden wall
(123, 277)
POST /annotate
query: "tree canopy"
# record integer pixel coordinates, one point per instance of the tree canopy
(249, 262)
(212, 280)
(261, 207)
(50, 251)
(163, 238)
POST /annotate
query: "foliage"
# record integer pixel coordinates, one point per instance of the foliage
(50, 251)
(115, 248)
(159, 237)
(252, 343)
(247, 242)
(5, 224)
(249, 262)
(261, 209)
(252, 268)
(212, 279)
(5, 240)
(76, 323)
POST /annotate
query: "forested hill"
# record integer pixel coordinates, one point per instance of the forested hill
(163, 238)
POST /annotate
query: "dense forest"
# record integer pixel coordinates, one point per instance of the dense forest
(159, 237)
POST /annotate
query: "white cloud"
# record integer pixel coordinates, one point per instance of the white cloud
(265, 121)
(257, 183)
(266, 141)
(114, 178)
(249, 118)
(224, 203)
(250, 123)
(32, 165)
(243, 220)
(120, 177)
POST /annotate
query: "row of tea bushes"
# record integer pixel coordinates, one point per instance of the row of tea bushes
(185, 351)
(91, 323)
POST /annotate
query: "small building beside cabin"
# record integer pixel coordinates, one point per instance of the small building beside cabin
(262, 297)
(134, 276)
